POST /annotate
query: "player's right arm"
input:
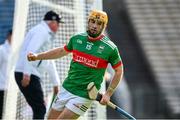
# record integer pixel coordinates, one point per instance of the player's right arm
(51, 54)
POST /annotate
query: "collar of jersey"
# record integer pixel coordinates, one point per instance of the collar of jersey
(97, 38)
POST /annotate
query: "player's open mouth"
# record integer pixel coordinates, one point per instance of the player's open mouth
(94, 31)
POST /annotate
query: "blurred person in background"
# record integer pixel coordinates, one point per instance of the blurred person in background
(28, 75)
(5, 50)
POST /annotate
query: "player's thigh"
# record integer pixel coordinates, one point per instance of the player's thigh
(53, 114)
(68, 114)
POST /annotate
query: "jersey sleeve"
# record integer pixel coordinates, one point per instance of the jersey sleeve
(115, 58)
(69, 46)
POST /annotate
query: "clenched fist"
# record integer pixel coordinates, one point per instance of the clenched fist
(32, 56)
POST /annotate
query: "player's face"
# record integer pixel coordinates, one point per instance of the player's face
(95, 26)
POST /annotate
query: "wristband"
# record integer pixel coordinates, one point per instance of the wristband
(111, 89)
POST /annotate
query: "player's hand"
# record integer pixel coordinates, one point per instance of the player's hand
(26, 80)
(31, 56)
(105, 99)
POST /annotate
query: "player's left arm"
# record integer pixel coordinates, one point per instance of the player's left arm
(115, 81)
(113, 84)
(117, 65)
(116, 62)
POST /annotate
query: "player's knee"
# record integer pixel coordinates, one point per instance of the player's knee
(53, 114)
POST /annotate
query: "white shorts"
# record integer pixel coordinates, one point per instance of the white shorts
(74, 103)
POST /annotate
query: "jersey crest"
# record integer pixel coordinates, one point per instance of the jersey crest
(100, 49)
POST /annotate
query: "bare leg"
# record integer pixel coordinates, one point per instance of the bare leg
(68, 114)
(53, 114)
